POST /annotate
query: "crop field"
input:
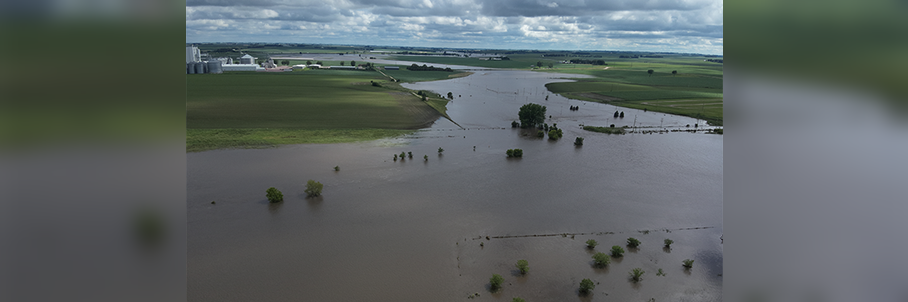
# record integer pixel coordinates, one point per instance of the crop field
(317, 100)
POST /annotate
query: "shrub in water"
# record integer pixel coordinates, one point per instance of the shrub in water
(668, 242)
(688, 263)
(591, 243)
(523, 266)
(586, 285)
(274, 195)
(601, 259)
(496, 281)
(637, 274)
(617, 251)
(633, 242)
(313, 188)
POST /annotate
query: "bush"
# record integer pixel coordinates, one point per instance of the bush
(578, 141)
(402, 155)
(637, 274)
(601, 259)
(591, 243)
(540, 133)
(496, 281)
(509, 153)
(425, 157)
(555, 133)
(523, 266)
(337, 168)
(688, 263)
(440, 150)
(514, 153)
(410, 154)
(668, 242)
(633, 242)
(515, 124)
(617, 251)
(395, 157)
(586, 286)
(518, 299)
(274, 195)
(313, 188)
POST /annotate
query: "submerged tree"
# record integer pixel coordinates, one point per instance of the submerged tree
(633, 242)
(495, 282)
(601, 259)
(313, 188)
(523, 266)
(274, 195)
(637, 274)
(531, 114)
(586, 286)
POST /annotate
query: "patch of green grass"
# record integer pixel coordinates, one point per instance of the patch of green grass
(211, 139)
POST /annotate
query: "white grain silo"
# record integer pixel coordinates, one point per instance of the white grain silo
(199, 67)
(214, 66)
(193, 54)
(247, 59)
(190, 68)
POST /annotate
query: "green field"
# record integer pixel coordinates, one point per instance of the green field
(513, 63)
(696, 90)
(250, 109)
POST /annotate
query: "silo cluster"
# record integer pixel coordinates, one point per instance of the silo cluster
(204, 67)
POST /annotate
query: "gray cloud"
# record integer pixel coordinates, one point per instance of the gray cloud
(683, 25)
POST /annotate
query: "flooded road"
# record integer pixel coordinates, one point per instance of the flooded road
(411, 230)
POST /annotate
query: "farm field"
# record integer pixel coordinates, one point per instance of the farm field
(291, 105)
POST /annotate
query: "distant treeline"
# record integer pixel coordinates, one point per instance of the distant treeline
(651, 56)
(576, 54)
(639, 56)
(629, 57)
(712, 56)
(714, 60)
(582, 61)
(415, 67)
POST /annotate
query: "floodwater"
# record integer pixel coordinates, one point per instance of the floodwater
(415, 230)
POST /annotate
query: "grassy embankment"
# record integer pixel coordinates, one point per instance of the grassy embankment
(696, 90)
(257, 110)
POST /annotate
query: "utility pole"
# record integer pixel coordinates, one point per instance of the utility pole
(635, 123)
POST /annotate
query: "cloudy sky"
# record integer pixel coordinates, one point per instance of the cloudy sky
(646, 25)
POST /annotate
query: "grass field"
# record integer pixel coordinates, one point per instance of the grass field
(696, 90)
(248, 109)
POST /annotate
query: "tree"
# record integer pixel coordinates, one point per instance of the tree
(308, 62)
(616, 113)
(342, 63)
(578, 141)
(425, 157)
(440, 150)
(555, 133)
(523, 266)
(410, 155)
(551, 65)
(319, 62)
(402, 155)
(633, 242)
(285, 62)
(674, 72)
(637, 274)
(515, 124)
(621, 115)
(601, 259)
(313, 188)
(352, 63)
(531, 114)
(650, 72)
(617, 251)
(496, 281)
(539, 64)
(274, 195)
(450, 95)
(337, 168)
(591, 243)
(586, 286)
(668, 243)
(688, 263)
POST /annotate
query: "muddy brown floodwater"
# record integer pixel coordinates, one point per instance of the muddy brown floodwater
(415, 230)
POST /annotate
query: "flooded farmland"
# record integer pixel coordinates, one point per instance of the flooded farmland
(416, 230)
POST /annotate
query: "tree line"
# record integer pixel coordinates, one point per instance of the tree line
(415, 67)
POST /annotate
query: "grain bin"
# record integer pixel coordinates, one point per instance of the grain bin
(199, 67)
(214, 66)
(190, 68)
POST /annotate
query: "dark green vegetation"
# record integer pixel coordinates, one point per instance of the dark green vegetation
(274, 195)
(637, 274)
(313, 188)
(617, 251)
(523, 266)
(518, 299)
(586, 286)
(591, 243)
(609, 130)
(495, 282)
(514, 153)
(251, 110)
(337, 168)
(601, 259)
(531, 114)
(688, 263)
(578, 141)
(633, 242)
(668, 242)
